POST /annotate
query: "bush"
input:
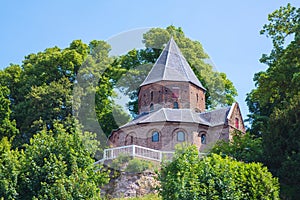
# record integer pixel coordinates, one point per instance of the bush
(146, 197)
(137, 165)
(243, 147)
(188, 177)
(120, 162)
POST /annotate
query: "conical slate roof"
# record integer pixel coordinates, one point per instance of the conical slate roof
(172, 66)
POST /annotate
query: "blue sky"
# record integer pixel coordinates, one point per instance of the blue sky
(228, 30)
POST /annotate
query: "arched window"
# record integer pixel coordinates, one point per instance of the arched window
(131, 139)
(155, 136)
(203, 138)
(197, 96)
(237, 123)
(175, 105)
(180, 136)
(151, 95)
(151, 107)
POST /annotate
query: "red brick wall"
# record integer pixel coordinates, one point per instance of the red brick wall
(165, 93)
(236, 116)
(168, 135)
(197, 98)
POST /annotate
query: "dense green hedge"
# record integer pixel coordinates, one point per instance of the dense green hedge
(213, 177)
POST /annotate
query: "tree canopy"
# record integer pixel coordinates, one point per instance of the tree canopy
(56, 164)
(274, 103)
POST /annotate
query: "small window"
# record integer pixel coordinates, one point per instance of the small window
(197, 96)
(237, 123)
(155, 136)
(175, 105)
(175, 93)
(151, 107)
(151, 95)
(203, 139)
(180, 136)
(131, 139)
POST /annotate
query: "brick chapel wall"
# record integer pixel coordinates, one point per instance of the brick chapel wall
(197, 98)
(165, 93)
(167, 131)
(214, 134)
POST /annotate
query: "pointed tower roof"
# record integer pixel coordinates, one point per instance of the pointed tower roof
(172, 66)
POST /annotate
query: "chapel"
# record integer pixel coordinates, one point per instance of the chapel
(171, 103)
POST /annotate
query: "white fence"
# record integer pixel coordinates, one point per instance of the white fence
(136, 151)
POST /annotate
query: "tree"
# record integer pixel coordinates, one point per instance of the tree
(214, 177)
(94, 92)
(7, 126)
(274, 104)
(220, 90)
(57, 83)
(242, 147)
(58, 164)
(9, 170)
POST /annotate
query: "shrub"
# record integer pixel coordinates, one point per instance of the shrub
(137, 165)
(120, 161)
(213, 177)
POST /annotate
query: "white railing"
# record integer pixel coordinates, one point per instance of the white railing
(136, 151)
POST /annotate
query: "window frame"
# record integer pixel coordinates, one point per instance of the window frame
(237, 123)
(155, 136)
(177, 105)
(203, 141)
(178, 136)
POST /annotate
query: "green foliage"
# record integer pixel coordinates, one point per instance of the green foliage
(57, 164)
(274, 104)
(9, 170)
(120, 161)
(243, 147)
(214, 177)
(7, 126)
(57, 83)
(137, 165)
(94, 92)
(146, 197)
(129, 164)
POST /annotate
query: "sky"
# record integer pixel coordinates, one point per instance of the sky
(228, 30)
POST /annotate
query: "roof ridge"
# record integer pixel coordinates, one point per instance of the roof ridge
(181, 60)
(171, 65)
(168, 54)
(165, 113)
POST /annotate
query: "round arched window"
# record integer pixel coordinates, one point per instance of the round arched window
(203, 139)
(180, 136)
(155, 136)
